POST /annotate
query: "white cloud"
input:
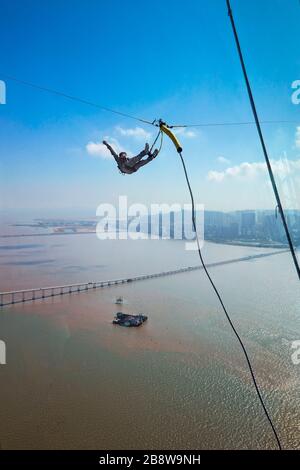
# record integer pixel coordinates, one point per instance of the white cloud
(98, 149)
(215, 176)
(136, 132)
(250, 170)
(183, 132)
(223, 160)
(297, 137)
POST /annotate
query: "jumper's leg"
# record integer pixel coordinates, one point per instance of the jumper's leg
(154, 154)
(134, 160)
(143, 162)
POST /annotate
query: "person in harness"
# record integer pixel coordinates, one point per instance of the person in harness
(131, 165)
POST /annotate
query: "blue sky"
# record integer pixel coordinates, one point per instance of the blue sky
(176, 60)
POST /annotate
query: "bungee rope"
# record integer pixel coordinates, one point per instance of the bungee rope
(226, 312)
(166, 130)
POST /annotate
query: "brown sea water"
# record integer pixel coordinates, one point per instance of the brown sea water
(73, 380)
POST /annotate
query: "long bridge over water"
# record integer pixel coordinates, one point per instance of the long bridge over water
(40, 293)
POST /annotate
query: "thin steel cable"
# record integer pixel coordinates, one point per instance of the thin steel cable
(145, 121)
(74, 98)
(237, 123)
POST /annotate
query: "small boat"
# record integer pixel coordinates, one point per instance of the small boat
(123, 319)
(119, 300)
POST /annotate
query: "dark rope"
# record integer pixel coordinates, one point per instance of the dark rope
(261, 138)
(161, 141)
(156, 138)
(161, 134)
(224, 308)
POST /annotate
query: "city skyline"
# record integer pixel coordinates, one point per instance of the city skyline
(252, 227)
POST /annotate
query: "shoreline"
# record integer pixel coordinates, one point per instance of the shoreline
(249, 244)
(219, 242)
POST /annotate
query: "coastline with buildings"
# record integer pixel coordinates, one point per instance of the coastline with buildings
(261, 228)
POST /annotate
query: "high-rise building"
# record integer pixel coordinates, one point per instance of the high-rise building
(248, 220)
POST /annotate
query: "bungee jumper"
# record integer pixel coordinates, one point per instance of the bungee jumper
(131, 165)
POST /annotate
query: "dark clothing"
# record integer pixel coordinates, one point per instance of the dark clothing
(131, 165)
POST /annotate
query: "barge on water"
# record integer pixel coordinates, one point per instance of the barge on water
(123, 319)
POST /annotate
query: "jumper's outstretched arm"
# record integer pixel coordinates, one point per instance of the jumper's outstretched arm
(114, 154)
